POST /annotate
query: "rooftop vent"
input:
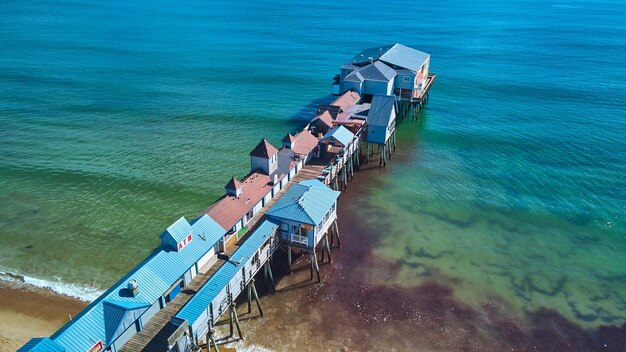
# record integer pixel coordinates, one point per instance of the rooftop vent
(133, 287)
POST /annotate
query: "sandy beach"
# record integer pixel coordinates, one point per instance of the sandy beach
(27, 313)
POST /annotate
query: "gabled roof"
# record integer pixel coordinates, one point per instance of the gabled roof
(340, 134)
(118, 316)
(381, 110)
(325, 118)
(41, 344)
(354, 76)
(306, 202)
(403, 56)
(347, 99)
(288, 138)
(376, 71)
(233, 184)
(192, 310)
(393, 54)
(228, 210)
(264, 149)
(333, 110)
(155, 275)
(305, 142)
(177, 231)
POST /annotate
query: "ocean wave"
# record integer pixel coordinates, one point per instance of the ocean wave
(83, 293)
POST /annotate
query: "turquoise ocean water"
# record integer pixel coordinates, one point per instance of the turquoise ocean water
(118, 117)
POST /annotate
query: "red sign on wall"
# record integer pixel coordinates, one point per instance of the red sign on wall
(97, 347)
(184, 242)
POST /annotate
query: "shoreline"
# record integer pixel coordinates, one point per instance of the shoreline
(28, 311)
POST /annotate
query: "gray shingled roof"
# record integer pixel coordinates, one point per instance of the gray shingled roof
(354, 76)
(380, 110)
(376, 71)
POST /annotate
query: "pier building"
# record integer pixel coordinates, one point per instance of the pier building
(119, 313)
(381, 126)
(393, 69)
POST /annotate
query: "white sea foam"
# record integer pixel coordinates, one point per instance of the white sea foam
(253, 348)
(83, 293)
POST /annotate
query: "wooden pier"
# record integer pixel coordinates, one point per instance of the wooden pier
(331, 156)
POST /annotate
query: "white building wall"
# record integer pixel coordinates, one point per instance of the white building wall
(267, 166)
(205, 258)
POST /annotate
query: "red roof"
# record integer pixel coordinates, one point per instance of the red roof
(264, 149)
(347, 99)
(326, 118)
(228, 210)
(304, 142)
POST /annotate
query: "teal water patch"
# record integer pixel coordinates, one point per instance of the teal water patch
(475, 215)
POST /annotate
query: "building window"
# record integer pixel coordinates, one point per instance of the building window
(407, 78)
(284, 227)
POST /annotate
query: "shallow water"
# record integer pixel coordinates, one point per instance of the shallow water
(510, 188)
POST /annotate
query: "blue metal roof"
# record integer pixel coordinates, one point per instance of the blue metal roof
(403, 56)
(176, 232)
(207, 293)
(306, 202)
(41, 344)
(340, 134)
(313, 183)
(381, 110)
(155, 275)
(206, 229)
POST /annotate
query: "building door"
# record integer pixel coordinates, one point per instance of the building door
(173, 291)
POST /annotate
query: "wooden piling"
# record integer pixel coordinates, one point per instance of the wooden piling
(271, 275)
(314, 265)
(327, 246)
(210, 338)
(289, 257)
(235, 319)
(256, 296)
(336, 233)
(249, 298)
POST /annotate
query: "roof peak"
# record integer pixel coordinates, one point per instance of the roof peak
(264, 149)
(233, 184)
